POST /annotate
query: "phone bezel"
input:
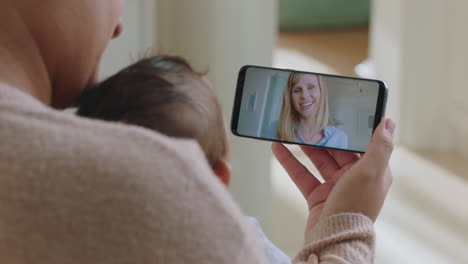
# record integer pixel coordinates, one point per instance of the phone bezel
(379, 114)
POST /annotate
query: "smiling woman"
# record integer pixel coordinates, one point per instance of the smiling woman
(305, 114)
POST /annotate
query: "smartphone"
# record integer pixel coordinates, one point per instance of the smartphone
(307, 108)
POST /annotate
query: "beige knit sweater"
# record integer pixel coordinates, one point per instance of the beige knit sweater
(82, 191)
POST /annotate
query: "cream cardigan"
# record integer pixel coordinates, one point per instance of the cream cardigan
(74, 190)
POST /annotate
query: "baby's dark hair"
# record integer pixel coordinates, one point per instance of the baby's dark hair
(164, 94)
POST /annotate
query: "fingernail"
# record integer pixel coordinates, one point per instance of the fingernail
(390, 126)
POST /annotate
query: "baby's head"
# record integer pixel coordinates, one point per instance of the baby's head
(164, 94)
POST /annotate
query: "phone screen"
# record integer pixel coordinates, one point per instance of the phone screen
(307, 108)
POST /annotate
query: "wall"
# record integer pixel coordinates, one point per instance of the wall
(274, 101)
(352, 108)
(457, 77)
(257, 83)
(419, 49)
(138, 37)
(269, 88)
(385, 50)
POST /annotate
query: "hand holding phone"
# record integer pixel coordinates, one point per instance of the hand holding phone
(353, 183)
(306, 108)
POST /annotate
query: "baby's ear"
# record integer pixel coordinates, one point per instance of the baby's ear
(222, 169)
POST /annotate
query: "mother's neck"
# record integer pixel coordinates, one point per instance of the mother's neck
(22, 65)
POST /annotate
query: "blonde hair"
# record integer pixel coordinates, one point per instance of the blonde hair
(289, 117)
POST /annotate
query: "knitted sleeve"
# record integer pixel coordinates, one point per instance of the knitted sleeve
(340, 238)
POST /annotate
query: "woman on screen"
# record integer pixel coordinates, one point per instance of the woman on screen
(304, 114)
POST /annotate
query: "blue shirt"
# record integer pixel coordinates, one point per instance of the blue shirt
(274, 254)
(333, 136)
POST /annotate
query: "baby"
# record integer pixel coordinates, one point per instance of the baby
(165, 94)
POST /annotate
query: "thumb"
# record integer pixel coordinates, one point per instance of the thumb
(381, 146)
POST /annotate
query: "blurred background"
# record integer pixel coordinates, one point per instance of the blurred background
(417, 47)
